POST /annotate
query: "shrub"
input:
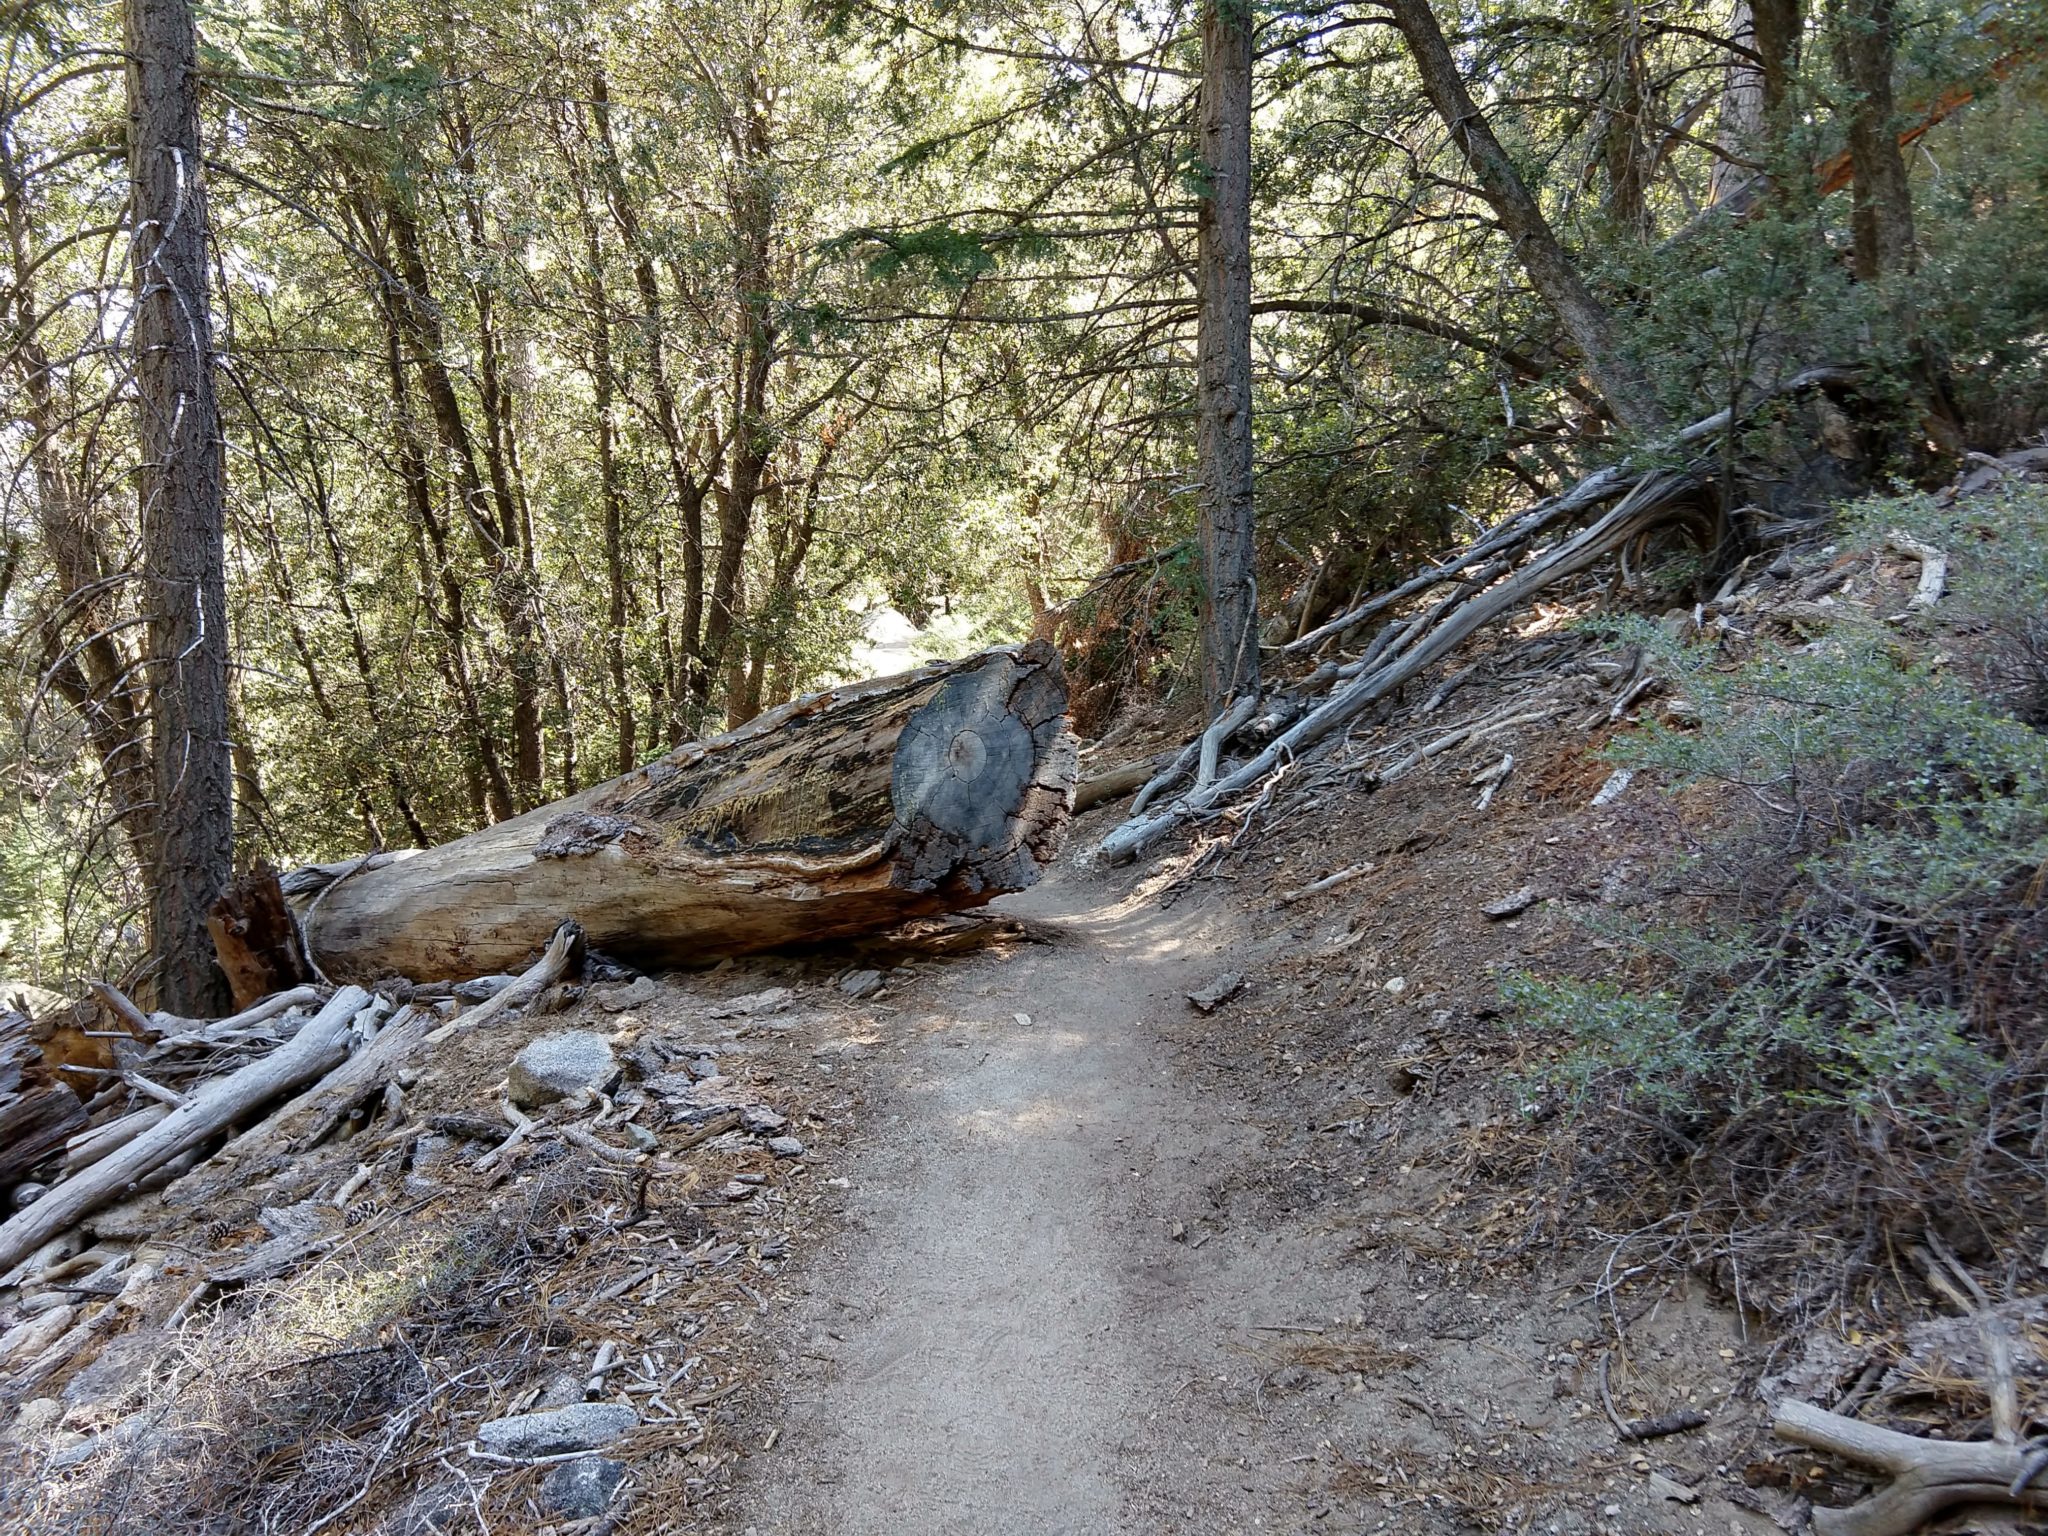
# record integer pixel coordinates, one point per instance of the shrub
(1861, 968)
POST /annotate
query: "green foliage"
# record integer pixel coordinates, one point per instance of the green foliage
(1871, 941)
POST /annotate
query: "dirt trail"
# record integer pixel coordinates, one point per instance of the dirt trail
(1007, 1335)
(1109, 1268)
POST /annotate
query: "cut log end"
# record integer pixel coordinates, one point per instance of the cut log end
(843, 813)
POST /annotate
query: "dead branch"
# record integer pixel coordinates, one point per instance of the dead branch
(1928, 1476)
(213, 1108)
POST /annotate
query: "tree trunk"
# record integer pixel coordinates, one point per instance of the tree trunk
(842, 813)
(1865, 35)
(1629, 159)
(1778, 27)
(1223, 360)
(183, 559)
(1739, 133)
(1551, 272)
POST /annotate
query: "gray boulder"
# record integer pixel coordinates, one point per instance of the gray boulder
(582, 1489)
(558, 1065)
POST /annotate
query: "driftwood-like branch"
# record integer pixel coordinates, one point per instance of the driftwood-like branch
(1933, 567)
(534, 980)
(206, 1111)
(1489, 585)
(1928, 1476)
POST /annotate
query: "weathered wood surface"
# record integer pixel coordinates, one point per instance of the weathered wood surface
(256, 938)
(209, 1110)
(38, 1114)
(839, 814)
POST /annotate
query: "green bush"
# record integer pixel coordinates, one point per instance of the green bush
(1866, 926)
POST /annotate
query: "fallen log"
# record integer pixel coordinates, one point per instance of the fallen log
(842, 813)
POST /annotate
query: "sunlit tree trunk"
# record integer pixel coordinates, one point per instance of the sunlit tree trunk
(1552, 273)
(1223, 360)
(182, 517)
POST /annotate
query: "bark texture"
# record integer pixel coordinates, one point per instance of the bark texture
(1552, 273)
(1223, 359)
(1864, 36)
(841, 813)
(38, 1114)
(182, 520)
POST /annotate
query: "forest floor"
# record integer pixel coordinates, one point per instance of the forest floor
(1060, 1250)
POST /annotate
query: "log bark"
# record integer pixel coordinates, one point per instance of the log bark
(842, 813)
(256, 938)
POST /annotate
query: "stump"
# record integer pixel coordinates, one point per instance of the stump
(842, 813)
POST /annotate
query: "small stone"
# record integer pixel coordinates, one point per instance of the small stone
(760, 1120)
(556, 1066)
(560, 1390)
(785, 1146)
(37, 1415)
(860, 984)
(582, 1489)
(637, 993)
(483, 988)
(572, 1427)
(1617, 783)
(1513, 904)
(1211, 997)
(773, 1000)
(1395, 986)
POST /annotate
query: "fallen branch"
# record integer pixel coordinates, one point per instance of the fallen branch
(1115, 783)
(1928, 1476)
(1400, 653)
(533, 981)
(1328, 882)
(208, 1110)
(1933, 567)
(1226, 725)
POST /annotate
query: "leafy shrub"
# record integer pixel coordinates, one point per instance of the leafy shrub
(1863, 964)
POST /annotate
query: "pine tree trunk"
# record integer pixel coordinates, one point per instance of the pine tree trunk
(1223, 360)
(1865, 36)
(1551, 272)
(184, 575)
(1739, 133)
